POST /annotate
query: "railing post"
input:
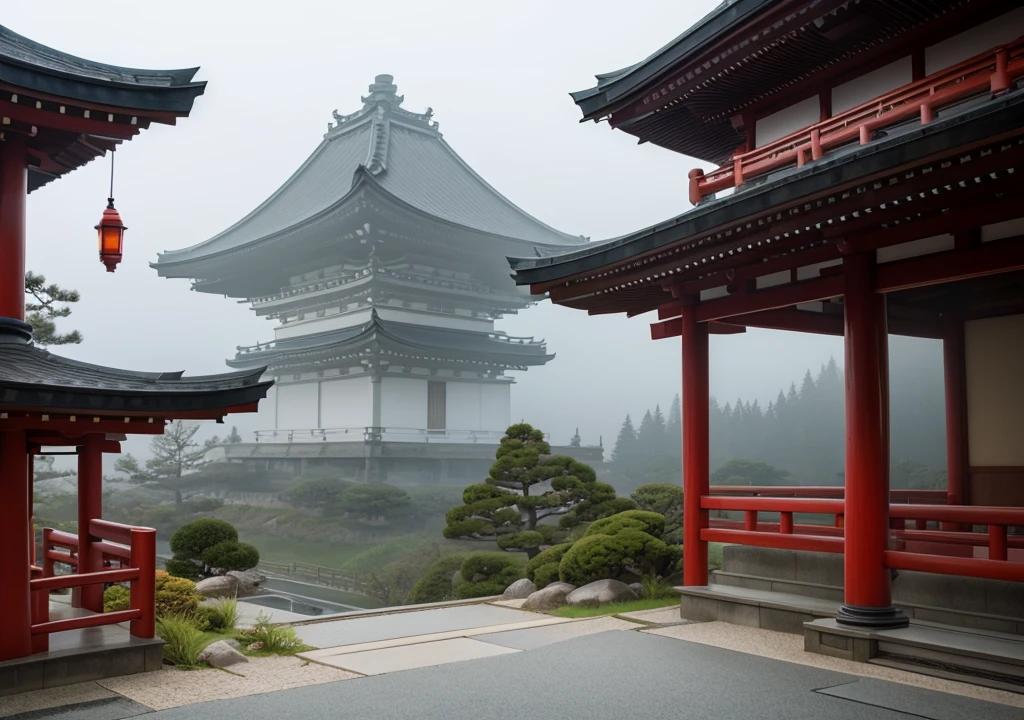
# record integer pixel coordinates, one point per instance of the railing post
(737, 171)
(1001, 76)
(816, 152)
(865, 134)
(47, 560)
(90, 507)
(750, 520)
(997, 542)
(927, 114)
(143, 590)
(786, 523)
(695, 177)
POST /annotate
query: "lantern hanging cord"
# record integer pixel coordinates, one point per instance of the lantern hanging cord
(111, 196)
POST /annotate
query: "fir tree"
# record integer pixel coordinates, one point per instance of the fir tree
(625, 444)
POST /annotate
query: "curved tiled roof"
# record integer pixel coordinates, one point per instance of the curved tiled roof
(406, 155)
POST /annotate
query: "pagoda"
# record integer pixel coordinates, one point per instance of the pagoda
(382, 261)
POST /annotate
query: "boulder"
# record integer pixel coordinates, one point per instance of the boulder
(549, 598)
(519, 590)
(219, 586)
(638, 588)
(600, 592)
(220, 654)
(233, 643)
(249, 581)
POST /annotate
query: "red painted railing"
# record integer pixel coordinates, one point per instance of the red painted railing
(134, 551)
(788, 535)
(830, 491)
(992, 72)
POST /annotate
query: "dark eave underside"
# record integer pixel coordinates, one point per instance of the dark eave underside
(31, 377)
(993, 119)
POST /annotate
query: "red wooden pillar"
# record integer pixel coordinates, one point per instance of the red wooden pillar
(696, 461)
(867, 582)
(13, 192)
(956, 446)
(15, 594)
(90, 507)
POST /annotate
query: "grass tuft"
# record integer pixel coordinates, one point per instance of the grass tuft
(264, 638)
(615, 608)
(184, 642)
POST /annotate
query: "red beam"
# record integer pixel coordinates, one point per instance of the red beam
(774, 504)
(971, 514)
(968, 567)
(809, 543)
(990, 259)
(80, 579)
(717, 328)
(791, 319)
(71, 123)
(83, 425)
(86, 621)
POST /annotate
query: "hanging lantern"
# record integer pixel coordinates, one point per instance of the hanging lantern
(111, 236)
(111, 229)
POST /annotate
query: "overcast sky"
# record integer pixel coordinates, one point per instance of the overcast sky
(497, 76)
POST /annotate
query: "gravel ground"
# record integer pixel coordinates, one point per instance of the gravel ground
(790, 648)
(171, 687)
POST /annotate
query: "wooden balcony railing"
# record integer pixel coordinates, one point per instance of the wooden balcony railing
(927, 522)
(992, 72)
(133, 549)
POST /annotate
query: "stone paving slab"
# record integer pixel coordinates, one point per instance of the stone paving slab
(247, 613)
(416, 655)
(322, 654)
(916, 702)
(350, 631)
(658, 615)
(79, 693)
(112, 708)
(531, 638)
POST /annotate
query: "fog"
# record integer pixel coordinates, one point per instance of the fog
(497, 76)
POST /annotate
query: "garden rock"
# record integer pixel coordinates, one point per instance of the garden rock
(600, 592)
(248, 581)
(638, 588)
(551, 597)
(220, 654)
(220, 586)
(519, 590)
(233, 643)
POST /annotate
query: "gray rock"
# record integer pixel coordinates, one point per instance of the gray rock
(249, 581)
(221, 654)
(519, 590)
(549, 598)
(638, 588)
(233, 643)
(220, 586)
(600, 592)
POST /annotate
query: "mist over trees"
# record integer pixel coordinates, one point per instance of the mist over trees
(799, 438)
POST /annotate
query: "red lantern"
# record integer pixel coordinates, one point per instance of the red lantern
(111, 236)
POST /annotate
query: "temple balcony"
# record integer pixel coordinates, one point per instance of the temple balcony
(976, 80)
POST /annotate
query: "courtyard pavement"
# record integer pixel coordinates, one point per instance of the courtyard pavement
(486, 661)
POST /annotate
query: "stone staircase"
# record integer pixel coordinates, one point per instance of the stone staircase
(967, 629)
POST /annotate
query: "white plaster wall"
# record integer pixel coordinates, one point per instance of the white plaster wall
(791, 119)
(924, 246)
(871, 85)
(495, 406)
(995, 391)
(346, 403)
(297, 406)
(403, 402)
(452, 322)
(312, 325)
(978, 39)
(463, 406)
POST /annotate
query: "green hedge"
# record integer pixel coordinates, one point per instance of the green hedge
(551, 556)
(651, 523)
(597, 557)
(436, 583)
(488, 574)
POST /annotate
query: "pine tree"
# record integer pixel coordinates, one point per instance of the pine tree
(42, 309)
(233, 437)
(625, 444)
(175, 454)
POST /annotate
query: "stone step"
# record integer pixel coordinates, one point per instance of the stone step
(783, 612)
(975, 656)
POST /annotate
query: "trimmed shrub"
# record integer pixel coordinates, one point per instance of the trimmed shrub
(597, 557)
(545, 574)
(436, 583)
(231, 555)
(183, 568)
(115, 598)
(488, 574)
(192, 540)
(553, 555)
(175, 596)
(521, 540)
(651, 523)
(205, 618)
